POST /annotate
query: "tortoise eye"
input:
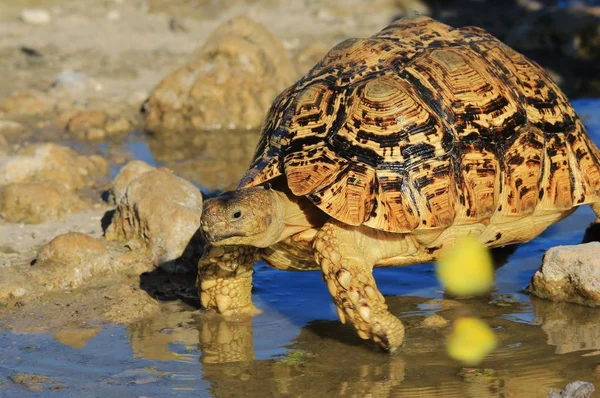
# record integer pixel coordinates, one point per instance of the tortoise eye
(267, 186)
(236, 214)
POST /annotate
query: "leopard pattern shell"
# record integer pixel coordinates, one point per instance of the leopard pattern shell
(424, 126)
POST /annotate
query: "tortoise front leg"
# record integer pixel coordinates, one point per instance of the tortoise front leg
(346, 255)
(225, 279)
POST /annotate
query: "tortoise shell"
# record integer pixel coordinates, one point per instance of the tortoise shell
(425, 126)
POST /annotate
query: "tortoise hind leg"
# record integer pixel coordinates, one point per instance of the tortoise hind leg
(347, 255)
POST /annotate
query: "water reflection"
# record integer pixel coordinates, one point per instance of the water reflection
(225, 339)
(326, 357)
(155, 338)
(76, 337)
(216, 160)
(569, 327)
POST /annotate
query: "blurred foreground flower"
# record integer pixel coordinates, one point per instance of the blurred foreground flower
(466, 268)
(470, 340)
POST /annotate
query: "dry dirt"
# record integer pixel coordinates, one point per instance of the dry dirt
(126, 46)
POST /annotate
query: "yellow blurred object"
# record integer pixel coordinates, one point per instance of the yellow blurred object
(466, 268)
(470, 340)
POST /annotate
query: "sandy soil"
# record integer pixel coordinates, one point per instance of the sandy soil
(126, 47)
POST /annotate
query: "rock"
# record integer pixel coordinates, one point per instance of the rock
(118, 126)
(477, 375)
(94, 124)
(229, 83)
(35, 202)
(128, 173)
(83, 121)
(71, 259)
(434, 321)
(35, 16)
(569, 273)
(10, 129)
(74, 82)
(31, 381)
(25, 104)
(39, 162)
(576, 389)
(94, 134)
(161, 213)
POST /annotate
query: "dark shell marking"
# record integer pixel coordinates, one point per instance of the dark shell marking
(425, 126)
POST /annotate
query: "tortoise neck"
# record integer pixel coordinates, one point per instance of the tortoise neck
(297, 214)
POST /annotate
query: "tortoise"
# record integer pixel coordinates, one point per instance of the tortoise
(385, 152)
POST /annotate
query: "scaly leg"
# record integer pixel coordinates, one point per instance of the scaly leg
(346, 255)
(225, 279)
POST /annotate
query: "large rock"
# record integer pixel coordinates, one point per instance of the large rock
(95, 124)
(35, 202)
(39, 162)
(576, 389)
(28, 104)
(128, 173)
(229, 83)
(70, 260)
(159, 212)
(12, 131)
(569, 273)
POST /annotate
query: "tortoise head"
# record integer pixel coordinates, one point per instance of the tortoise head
(246, 216)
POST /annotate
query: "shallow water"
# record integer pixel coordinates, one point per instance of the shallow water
(296, 347)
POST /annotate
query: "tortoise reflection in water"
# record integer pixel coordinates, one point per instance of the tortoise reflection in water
(389, 149)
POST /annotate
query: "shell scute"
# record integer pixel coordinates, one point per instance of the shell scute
(479, 179)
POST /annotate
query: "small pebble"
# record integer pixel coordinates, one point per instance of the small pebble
(576, 389)
(35, 16)
(73, 81)
(476, 374)
(434, 321)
